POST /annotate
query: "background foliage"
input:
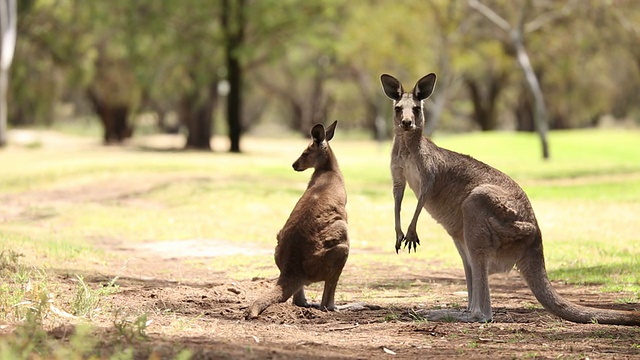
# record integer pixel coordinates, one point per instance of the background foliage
(303, 62)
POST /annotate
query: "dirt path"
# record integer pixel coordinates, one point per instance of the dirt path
(192, 306)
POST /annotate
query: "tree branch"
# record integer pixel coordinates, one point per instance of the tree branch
(549, 16)
(524, 9)
(491, 15)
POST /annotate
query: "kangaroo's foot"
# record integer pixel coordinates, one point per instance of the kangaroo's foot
(358, 306)
(448, 315)
(299, 299)
(319, 306)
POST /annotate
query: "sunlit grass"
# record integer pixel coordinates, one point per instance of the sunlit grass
(586, 198)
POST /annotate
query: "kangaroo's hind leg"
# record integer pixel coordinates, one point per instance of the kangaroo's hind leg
(477, 280)
(491, 226)
(462, 250)
(476, 248)
(335, 260)
(481, 242)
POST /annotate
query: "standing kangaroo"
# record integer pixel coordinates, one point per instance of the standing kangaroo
(313, 244)
(487, 214)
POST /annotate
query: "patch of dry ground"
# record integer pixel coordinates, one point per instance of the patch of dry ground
(205, 315)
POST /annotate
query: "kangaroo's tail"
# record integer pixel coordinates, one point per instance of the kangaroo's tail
(280, 293)
(533, 270)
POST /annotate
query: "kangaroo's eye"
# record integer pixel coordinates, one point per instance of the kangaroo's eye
(398, 109)
(416, 109)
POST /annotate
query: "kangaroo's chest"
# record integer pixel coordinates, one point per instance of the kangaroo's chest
(412, 175)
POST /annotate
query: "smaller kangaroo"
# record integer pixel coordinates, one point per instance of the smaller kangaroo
(313, 245)
(487, 214)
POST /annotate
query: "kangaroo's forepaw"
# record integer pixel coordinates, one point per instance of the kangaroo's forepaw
(411, 241)
(399, 245)
(399, 240)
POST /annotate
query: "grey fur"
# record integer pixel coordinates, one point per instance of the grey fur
(487, 214)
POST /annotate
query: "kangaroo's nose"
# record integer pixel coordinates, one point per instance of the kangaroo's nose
(406, 123)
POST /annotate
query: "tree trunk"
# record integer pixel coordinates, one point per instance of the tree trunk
(485, 99)
(483, 113)
(114, 119)
(234, 102)
(524, 112)
(376, 118)
(4, 84)
(233, 23)
(196, 113)
(540, 110)
(375, 121)
(8, 32)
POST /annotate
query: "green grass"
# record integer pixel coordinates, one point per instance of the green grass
(574, 154)
(586, 199)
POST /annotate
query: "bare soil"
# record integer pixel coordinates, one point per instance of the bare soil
(205, 315)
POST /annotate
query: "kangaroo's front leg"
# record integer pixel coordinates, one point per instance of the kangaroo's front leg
(412, 234)
(399, 184)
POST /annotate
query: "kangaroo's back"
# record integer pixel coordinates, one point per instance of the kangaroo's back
(456, 177)
(323, 202)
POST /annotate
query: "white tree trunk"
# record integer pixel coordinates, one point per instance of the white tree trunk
(8, 32)
(516, 34)
(540, 111)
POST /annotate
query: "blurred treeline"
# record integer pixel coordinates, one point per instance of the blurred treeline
(243, 63)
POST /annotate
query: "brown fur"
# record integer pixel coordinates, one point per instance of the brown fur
(313, 245)
(487, 214)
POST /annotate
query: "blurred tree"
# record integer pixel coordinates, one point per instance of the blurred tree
(8, 20)
(44, 61)
(618, 30)
(301, 85)
(484, 92)
(381, 37)
(516, 40)
(298, 73)
(469, 59)
(114, 89)
(270, 36)
(234, 21)
(304, 61)
(190, 65)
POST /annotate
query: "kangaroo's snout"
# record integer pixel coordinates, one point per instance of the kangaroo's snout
(407, 124)
(296, 166)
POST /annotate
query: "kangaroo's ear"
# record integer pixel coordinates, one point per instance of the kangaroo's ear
(424, 87)
(331, 130)
(391, 86)
(317, 133)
